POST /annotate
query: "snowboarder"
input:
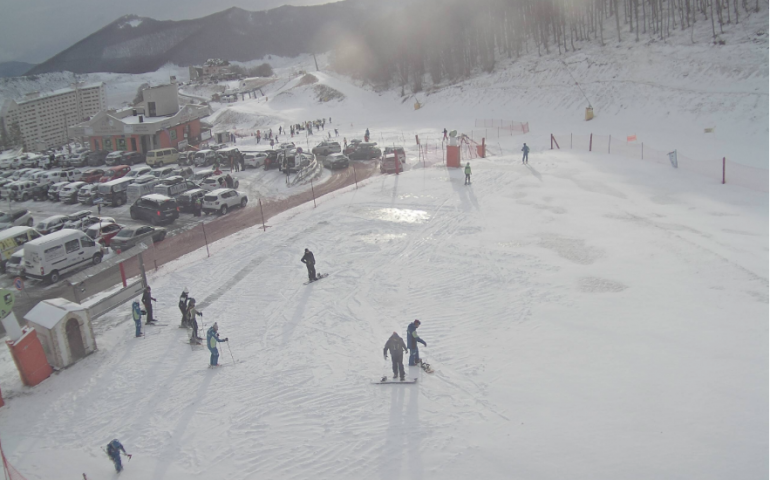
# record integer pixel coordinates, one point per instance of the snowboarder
(309, 260)
(525, 158)
(113, 451)
(147, 300)
(468, 173)
(191, 320)
(397, 348)
(136, 312)
(412, 339)
(212, 338)
(184, 299)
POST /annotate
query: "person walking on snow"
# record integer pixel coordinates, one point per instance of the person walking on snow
(136, 312)
(397, 348)
(366, 135)
(309, 260)
(212, 338)
(525, 158)
(147, 302)
(191, 320)
(412, 338)
(468, 173)
(113, 451)
(184, 300)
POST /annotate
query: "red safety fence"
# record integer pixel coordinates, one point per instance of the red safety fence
(10, 472)
(720, 169)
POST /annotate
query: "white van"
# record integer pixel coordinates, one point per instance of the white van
(13, 239)
(47, 258)
(142, 186)
(164, 156)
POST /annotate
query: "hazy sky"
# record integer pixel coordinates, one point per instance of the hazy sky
(35, 30)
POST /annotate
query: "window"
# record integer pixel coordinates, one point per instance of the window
(86, 242)
(172, 134)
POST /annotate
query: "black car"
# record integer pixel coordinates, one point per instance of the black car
(155, 208)
(365, 151)
(133, 158)
(335, 161)
(97, 158)
(130, 236)
(187, 199)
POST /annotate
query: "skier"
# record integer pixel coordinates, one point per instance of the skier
(412, 338)
(336, 133)
(184, 299)
(147, 302)
(366, 135)
(445, 137)
(468, 173)
(136, 312)
(212, 338)
(397, 348)
(113, 451)
(309, 260)
(191, 320)
(525, 158)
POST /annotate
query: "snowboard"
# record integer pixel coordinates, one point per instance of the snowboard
(318, 277)
(386, 381)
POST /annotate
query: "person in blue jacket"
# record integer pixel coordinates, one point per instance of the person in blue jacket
(411, 339)
(525, 158)
(113, 451)
(136, 312)
(212, 338)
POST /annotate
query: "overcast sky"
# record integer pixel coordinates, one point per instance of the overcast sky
(35, 30)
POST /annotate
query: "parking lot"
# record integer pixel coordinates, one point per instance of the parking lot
(269, 186)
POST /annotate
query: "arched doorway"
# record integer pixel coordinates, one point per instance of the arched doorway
(75, 339)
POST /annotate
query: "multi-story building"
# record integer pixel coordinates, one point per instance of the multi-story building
(44, 119)
(154, 122)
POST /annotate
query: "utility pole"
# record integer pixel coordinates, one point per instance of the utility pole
(316, 63)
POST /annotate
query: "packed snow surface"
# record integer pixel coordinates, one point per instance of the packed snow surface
(588, 315)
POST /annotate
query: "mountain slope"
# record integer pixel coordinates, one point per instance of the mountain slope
(133, 44)
(14, 69)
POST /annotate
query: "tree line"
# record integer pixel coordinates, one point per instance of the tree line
(448, 39)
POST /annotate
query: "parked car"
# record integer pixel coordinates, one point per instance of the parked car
(187, 199)
(398, 150)
(133, 158)
(223, 199)
(271, 160)
(114, 173)
(114, 158)
(137, 172)
(365, 151)
(352, 146)
(52, 255)
(20, 191)
(89, 221)
(201, 175)
(51, 224)
(14, 266)
(5, 163)
(76, 219)
(94, 159)
(16, 218)
(18, 173)
(88, 194)
(326, 148)
(388, 164)
(78, 160)
(93, 175)
(53, 190)
(115, 192)
(69, 193)
(155, 208)
(40, 192)
(184, 172)
(173, 186)
(161, 173)
(336, 160)
(215, 182)
(204, 158)
(103, 233)
(185, 158)
(12, 240)
(254, 159)
(127, 237)
(160, 157)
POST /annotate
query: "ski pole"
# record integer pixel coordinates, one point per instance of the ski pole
(230, 350)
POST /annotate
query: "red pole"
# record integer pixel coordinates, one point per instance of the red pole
(723, 170)
(483, 148)
(591, 143)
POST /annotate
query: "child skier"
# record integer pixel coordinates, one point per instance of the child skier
(136, 312)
